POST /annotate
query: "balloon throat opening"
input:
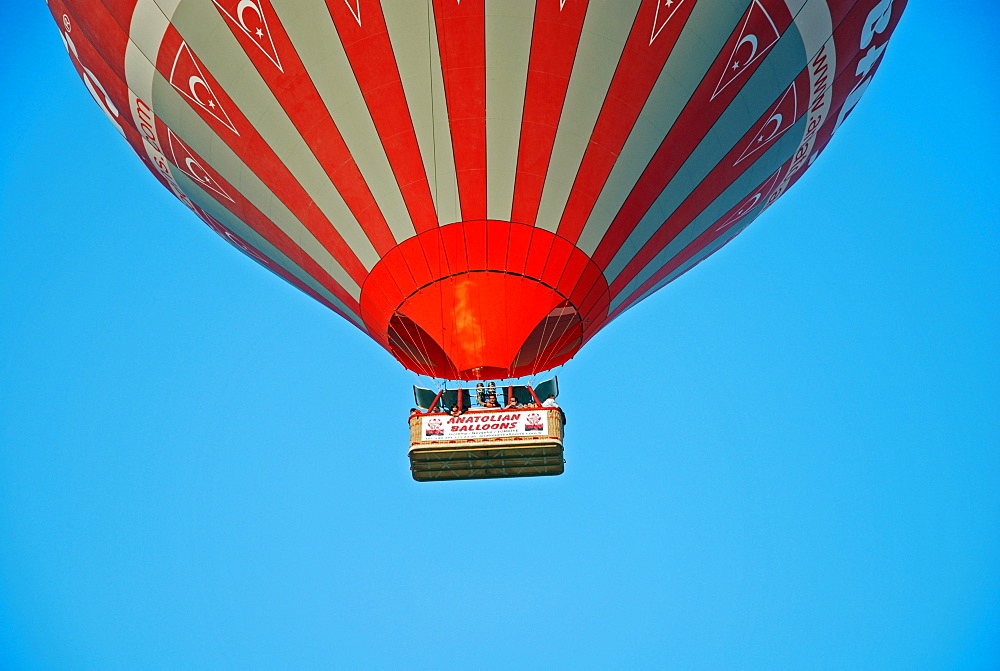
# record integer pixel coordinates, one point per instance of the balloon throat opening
(483, 325)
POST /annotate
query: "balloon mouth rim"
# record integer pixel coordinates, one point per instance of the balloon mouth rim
(481, 270)
(529, 270)
(550, 327)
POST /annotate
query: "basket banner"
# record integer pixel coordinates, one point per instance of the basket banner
(477, 425)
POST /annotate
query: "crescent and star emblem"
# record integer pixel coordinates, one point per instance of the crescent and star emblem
(251, 5)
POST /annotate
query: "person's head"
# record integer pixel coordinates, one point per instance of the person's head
(493, 397)
(456, 411)
(413, 410)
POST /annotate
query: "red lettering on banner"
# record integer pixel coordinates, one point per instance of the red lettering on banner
(479, 425)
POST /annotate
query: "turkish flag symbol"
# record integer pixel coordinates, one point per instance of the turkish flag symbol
(189, 79)
(773, 125)
(185, 160)
(756, 37)
(755, 199)
(250, 16)
(355, 9)
(665, 10)
(235, 240)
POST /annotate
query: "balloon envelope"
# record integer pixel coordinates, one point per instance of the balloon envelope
(480, 186)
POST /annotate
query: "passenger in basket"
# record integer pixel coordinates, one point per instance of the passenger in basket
(550, 402)
(414, 411)
(491, 402)
(455, 412)
(511, 403)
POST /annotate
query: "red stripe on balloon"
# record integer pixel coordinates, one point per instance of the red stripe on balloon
(121, 10)
(249, 250)
(707, 237)
(282, 70)
(650, 42)
(242, 137)
(229, 197)
(102, 28)
(101, 67)
(554, 41)
(363, 33)
(102, 70)
(114, 36)
(717, 230)
(847, 38)
(718, 179)
(461, 34)
(714, 94)
(98, 73)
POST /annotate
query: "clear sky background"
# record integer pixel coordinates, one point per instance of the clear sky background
(789, 458)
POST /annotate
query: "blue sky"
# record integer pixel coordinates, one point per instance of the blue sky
(786, 459)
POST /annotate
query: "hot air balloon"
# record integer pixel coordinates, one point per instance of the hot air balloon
(478, 185)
